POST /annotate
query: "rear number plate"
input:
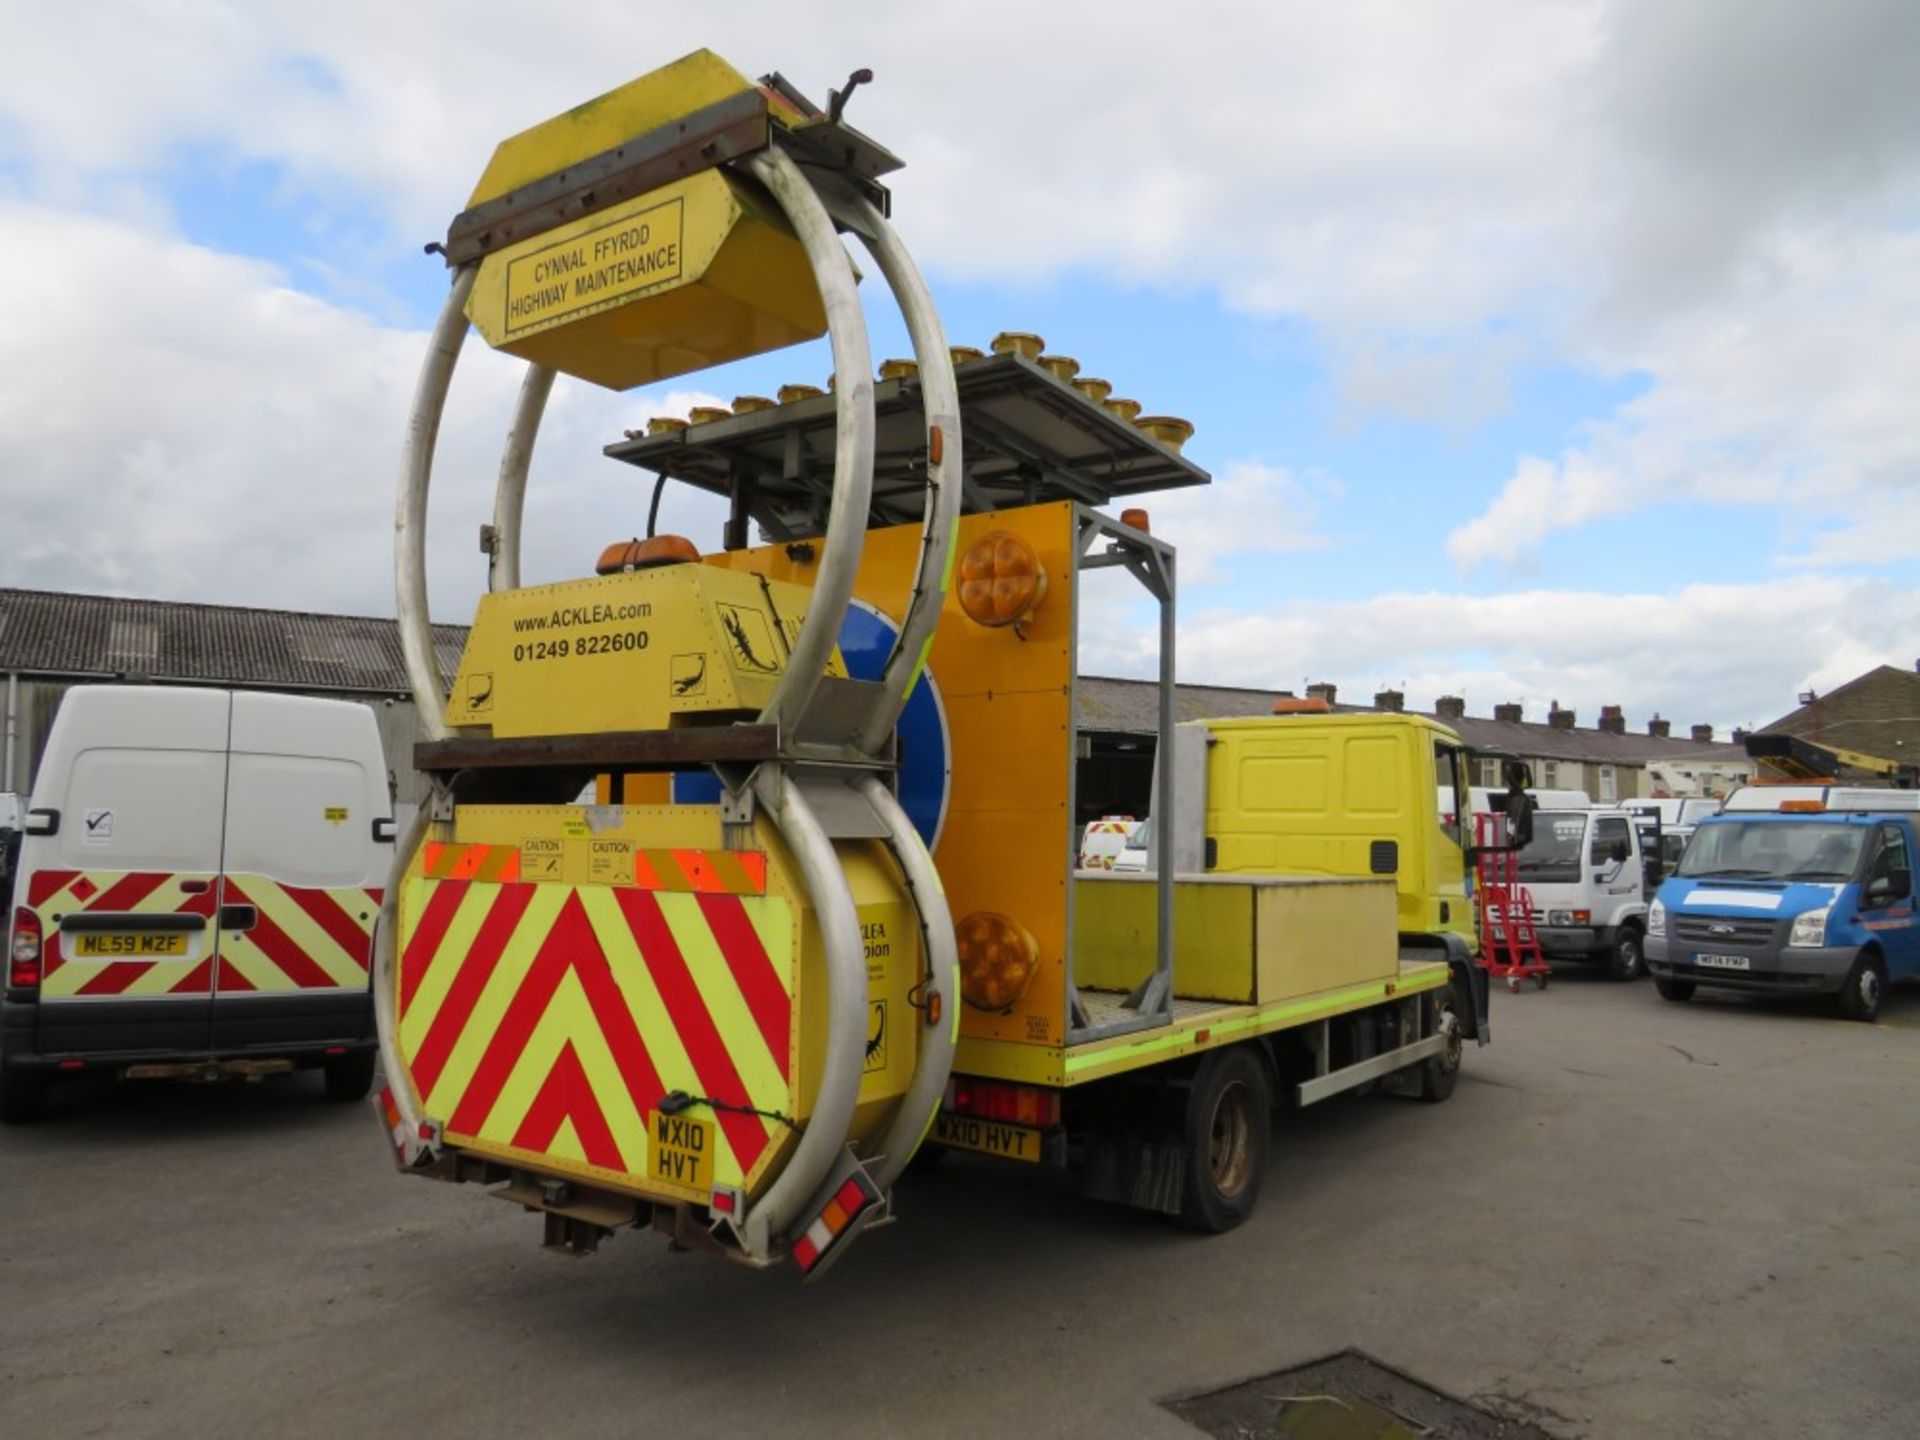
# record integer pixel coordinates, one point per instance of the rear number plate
(1010, 1142)
(129, 947)
(680, 1151)
(1723, 962)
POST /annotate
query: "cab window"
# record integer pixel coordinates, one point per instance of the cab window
(1890, 862)
(1450, 768)
(1609, 833)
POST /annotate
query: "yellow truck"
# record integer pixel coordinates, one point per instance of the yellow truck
(822, 907)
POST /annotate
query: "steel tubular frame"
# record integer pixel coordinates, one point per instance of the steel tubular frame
(1151, 562)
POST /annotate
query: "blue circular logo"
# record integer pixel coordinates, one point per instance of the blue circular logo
(925, 780)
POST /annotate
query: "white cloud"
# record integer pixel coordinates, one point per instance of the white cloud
(1249, 509)
(180, 423)
(1795, 395)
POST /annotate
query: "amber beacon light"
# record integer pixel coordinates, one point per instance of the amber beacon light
(998, 958)
(1001, 580)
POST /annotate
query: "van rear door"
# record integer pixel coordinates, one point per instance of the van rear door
(125, 886)
(306, 782)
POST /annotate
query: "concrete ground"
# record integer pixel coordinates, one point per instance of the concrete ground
(1633, 1219)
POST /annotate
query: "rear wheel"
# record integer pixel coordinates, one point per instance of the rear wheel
(1627, 960)
(23, 1096)
(350, 1077)
(1866, 986)
(1228, 1128)
(1675, 990)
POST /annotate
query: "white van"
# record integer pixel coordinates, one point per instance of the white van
(196, 892)
(1103, 840)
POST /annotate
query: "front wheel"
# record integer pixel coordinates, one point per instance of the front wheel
(1439, 1073)
(1228, 1128)
(1866, 986)
(1627, 960)
(1674, 990)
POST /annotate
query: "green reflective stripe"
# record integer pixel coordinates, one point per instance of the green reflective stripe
(1156, 1043)
(953, 557)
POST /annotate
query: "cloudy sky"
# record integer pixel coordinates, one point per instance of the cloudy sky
(1539, 350)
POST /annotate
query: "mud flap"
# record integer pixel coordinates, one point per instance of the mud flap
(1470, 983)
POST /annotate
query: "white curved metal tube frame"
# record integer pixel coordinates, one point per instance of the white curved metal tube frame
(827, 1127)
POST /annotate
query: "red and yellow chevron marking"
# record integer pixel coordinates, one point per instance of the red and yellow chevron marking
(303, 939)
(544, 1022)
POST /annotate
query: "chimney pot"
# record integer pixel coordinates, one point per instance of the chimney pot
(1613, 720)
(1659, 729)
(1390, 700)
(1703, 733)
(1321, 690)
(1450, 707)
(1559, 719)
(1510, 712)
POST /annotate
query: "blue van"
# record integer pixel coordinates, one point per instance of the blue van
(1790, 904)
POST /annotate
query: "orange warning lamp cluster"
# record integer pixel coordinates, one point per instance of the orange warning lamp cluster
(644, 554)
(998, 959)
(1001, 580)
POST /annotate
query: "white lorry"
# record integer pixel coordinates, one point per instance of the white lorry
(196, 891)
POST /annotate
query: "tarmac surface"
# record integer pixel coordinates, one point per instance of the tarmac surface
(1632, 1219)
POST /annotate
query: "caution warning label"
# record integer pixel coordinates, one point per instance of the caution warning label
(622, 258)
(542, 859)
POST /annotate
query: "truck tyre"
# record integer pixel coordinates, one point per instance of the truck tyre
(350, 1077)
(1439, 1074)
(1627, 959)
(1866, 984)
(1674, 990)
(1229, 1124)
(23, 1096)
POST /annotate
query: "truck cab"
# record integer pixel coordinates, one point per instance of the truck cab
(1344, 795)
(1587, 871)
(1806, 902)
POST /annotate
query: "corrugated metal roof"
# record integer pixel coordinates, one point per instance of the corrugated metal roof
(46, 632)
(1131, 707)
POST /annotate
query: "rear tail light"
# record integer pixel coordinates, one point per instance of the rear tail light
(1008, 1104)
(23, 962)
(855, 1195)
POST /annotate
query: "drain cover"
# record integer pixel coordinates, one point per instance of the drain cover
(1348, 1396)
